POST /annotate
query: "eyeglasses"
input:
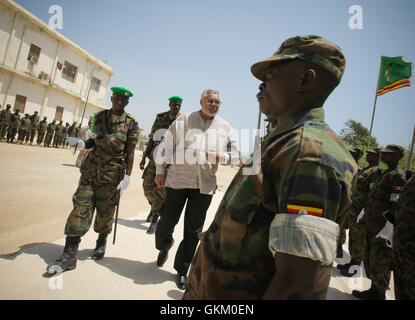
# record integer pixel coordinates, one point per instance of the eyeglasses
(213, 101)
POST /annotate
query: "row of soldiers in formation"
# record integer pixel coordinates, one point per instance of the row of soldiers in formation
(50, 134)
(379, 196)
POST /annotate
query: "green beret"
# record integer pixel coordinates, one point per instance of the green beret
(176, 98)
(122, 91)
(17, 109)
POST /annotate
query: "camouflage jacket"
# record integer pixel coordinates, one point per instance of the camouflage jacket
(404, 226)
(5, 116)
(382, 198)
(65, 131)
(34, 121)
(25, 123)
(106, 162)
(163, 121)
(365, 181)
(42, 126)
(51, 128)
(14, 120)
(71, 131)
(299, 198)
(58, 130)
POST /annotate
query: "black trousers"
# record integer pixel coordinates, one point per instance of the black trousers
(195, 214)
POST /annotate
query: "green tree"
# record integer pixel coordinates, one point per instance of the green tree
(356, 135)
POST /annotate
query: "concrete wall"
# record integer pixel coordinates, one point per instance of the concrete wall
(20, 76)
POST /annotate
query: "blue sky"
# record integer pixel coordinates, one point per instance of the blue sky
(160, 48)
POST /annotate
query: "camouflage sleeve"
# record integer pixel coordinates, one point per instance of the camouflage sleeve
(153, 129)
(404, 228)
(133, 132)
(313, 201)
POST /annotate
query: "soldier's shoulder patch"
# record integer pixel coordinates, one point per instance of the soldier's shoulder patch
(300, 209)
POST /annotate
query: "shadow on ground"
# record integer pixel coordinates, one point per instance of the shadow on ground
(137, 224)
(140, 272)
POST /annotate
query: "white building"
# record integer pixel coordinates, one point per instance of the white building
(41, 70)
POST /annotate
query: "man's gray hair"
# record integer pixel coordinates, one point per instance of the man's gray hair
(206, 92)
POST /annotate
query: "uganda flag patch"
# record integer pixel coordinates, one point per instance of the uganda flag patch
(291, 208)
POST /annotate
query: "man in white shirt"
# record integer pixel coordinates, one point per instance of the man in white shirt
(193, 146)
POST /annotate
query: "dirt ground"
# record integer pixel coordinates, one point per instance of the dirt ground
(37, 185)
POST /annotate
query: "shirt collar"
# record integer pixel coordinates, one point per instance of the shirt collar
(316, 114)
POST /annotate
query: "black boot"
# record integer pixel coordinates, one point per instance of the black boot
(67, 261)
(150, 216)
(152, 228)
(339, 251)
(99, 251)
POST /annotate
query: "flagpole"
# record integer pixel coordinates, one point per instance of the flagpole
(411, 150)
(374, 105)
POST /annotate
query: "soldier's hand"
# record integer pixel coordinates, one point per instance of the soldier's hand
(142, 163)
(160, 180)
(123, 184)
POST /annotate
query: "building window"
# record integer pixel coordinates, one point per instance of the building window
(34, 53)
(59, 113)
(69, 71)
(95, 84)
(20, 103)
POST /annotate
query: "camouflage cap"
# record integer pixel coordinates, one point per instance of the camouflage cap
(314, 49)
(393, 148)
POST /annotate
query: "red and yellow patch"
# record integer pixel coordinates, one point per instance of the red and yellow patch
(291, 208)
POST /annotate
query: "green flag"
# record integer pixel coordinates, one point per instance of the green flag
(394, 74)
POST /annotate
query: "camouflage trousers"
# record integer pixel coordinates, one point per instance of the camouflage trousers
(3, 129)
(11, 134)
(56, 140)
(30, 135)
(22, 134)
(403, 275)
(40, 137)
(86, 199)
(378, 261)
(356, 244)
(48, 139)
(155, 196)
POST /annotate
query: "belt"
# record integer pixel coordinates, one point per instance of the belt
(115, 160)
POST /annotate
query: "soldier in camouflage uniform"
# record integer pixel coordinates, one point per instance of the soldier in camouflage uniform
(41, 130)
(106, 169)
(5, 117)
(14, 126)
(50, 131)
(24, 128)
(58, 135)
(34, 122)
(156, 196)
(63, 142)
(275, 232)
(381, 205)
(404, 244)
(367, 178)
(347, 223)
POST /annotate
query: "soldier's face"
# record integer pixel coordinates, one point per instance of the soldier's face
(175, 107)
(119, 102)
(278, 91)
(390, 158)
(210, 104)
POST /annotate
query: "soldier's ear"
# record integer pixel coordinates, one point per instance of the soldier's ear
(307, 80)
